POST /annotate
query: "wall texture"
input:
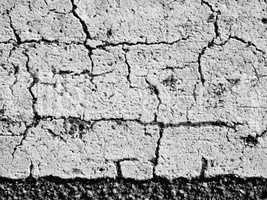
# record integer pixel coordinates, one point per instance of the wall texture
(133, 90)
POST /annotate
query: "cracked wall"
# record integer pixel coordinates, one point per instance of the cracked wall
(133, 89)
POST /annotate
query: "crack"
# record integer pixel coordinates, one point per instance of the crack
(88, 47)
(146, 133)
(217, 13)
(210, 43)
(25, 133)
(118, 165)
(103, 47)
(155, 90)
(217, 123)
(18, 39)
(124, 159)
(87, 37)
(248, 43)
(7, 119)
(108, 44)
(16, 70)
(258, 76)
(10, 41)
(56, 135)
(69, 72)
(118, 169)
(253, 141)
(84, 26)
(117, 120)
(31, 168)
(203, 167)
(161, 125)
(128, 77)
(202, 79)
(48, 42)
(155, 160)
(36, 117)
(263, 133)
(35, 80)
(195, 93)
(2, 111)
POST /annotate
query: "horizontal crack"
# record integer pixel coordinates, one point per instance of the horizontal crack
(103, 46)
(46, 41)
(218, 123)
(72, 73)
(108, 44)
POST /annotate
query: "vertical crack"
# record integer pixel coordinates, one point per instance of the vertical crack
(25, 133)
(118, 168)
(203, 167)
(128, 67)
(194, 92)
(155, 160)
(36, 117)
(84, 26)
(18, 39)
(217, 13)
(118, 165)
(155, 90)
(203, 50)
(210, 43)
(16, 71)
(87, 37)
(35, 80)
(31, 168)
(202, 79)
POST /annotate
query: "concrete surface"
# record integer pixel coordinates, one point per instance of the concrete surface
(133, 89)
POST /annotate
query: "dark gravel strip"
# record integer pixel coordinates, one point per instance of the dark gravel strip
(220, 187)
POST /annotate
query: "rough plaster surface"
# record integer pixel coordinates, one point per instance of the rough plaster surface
(133, 89)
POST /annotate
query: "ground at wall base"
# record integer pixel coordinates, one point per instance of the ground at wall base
(219, 187)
